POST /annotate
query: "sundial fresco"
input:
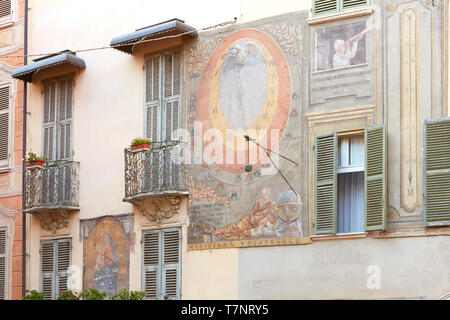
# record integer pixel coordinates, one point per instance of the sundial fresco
(245, 89)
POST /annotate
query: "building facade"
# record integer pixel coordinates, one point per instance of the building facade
(11, 95)
(298, 151)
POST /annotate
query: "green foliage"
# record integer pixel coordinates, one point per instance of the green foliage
(92, 294)
(68, 295)
(33, 295)
(33, 157)
(138, 141)
(128, 295)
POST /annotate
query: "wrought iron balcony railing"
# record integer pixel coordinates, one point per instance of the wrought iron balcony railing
(55, 185)
(155, 171)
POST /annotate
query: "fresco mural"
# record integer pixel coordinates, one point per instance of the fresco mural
(341, 64)
(246, 80)
(106, 242)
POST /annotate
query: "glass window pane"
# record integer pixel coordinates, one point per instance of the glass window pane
(357, 151)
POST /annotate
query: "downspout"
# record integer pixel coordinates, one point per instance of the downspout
(24, 148)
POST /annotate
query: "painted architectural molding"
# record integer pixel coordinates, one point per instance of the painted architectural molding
(156, 210)
(7, 219)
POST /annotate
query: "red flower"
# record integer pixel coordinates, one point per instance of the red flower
(66, 293)
(26, 291)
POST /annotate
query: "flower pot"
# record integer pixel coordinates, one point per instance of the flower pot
(140, 147)
(37, 164)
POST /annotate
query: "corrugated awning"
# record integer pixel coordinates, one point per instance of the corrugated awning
(26, 73)
(127, 42)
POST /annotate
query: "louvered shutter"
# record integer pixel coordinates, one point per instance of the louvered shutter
(151, 264)
(49, 134)
(48, 269)
(4, 125)
(321, 7)
(63, 254)
(2, 264)
(65, 118)
(171, 264)
(375, 179)
(5, 8)
(172, 94)
(325, 177)
(437, 172)
(353, 4)
(153, 98)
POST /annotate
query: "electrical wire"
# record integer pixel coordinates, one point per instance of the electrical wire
(131, 43)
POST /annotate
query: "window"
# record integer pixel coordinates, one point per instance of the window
(437, 172)
(55, 262)
(162, 95)
(161, 263)
(4, 125)
(324, 7)
(3, 263)
(57, 125)
(339, 173)
(5, 8)
(350, 184)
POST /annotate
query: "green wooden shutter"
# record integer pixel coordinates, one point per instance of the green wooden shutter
(65, 119)
(3, 264)
(322, 7)
(48, 269)
(437, 172)
(151, 278)
(49, 124)
(354, 4)
(325, 186)
(4, 125)
(63, 254)
(171, 264)
(153, 97)
(375, 179)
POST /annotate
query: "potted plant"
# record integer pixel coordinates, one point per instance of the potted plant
(33, 295)
(139, 144)
(34, 161)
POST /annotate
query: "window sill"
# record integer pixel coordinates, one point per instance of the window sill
(5, 170)
(340, 236)
(340, 16)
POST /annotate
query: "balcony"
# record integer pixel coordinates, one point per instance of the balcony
(53, 186)
(154, 172)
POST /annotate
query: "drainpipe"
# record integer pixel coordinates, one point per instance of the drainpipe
(24, 148)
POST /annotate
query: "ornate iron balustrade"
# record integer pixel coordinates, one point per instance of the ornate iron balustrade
(55, 185)
(154, 171)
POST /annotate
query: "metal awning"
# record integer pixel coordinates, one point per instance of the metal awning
(25, 73)
(127, 42)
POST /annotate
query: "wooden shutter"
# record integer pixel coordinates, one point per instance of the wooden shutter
(437, 172)
(151, 264)
(63, 250)
(49, 134)
(153, 97)
(65, 118)
(48, 269)
(353, 4)
(172, 94)
(325, 177)
(171, 264)
(4, 125)
(321, 7)
(375, 178)
(5, 8)
(3, 264)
